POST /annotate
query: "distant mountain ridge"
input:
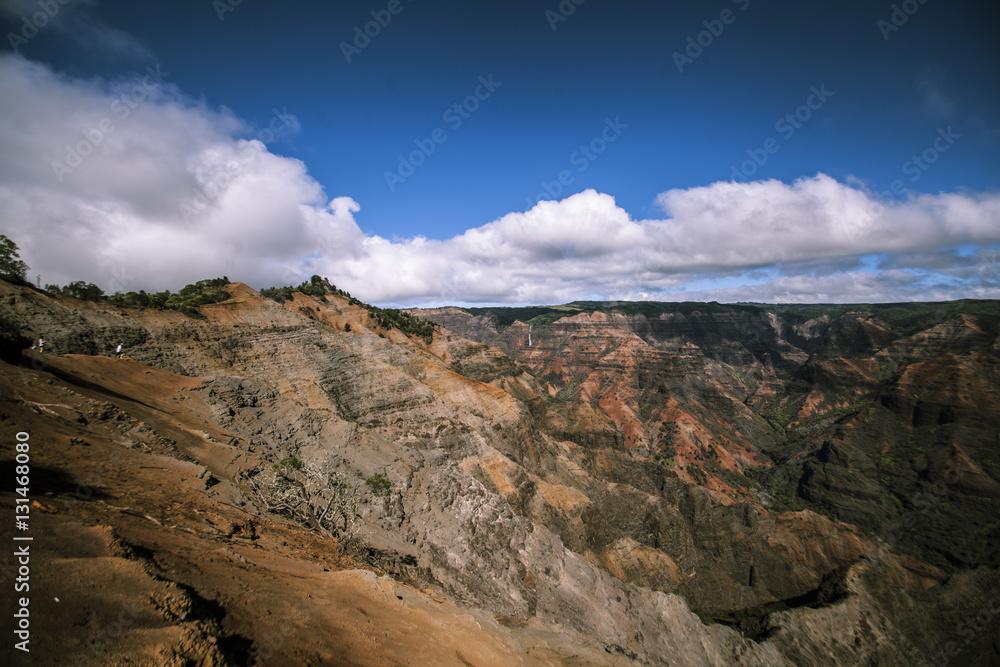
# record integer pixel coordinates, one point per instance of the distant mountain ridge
(904, 317)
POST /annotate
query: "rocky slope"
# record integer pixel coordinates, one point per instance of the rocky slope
(555, 516)
(877, 415)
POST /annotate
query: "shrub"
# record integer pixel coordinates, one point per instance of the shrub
(187, 301)
(778, 419)
(379, 484)
(385, 318)
(78, 290)
(316, 286)
(291, 463)
(788, 499)
(882, 461)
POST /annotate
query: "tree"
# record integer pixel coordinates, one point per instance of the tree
(82, 290)
(11, 265)
(79, 290)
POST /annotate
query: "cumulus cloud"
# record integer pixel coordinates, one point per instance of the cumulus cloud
(813, 232)
(103, 180)
(131, 184)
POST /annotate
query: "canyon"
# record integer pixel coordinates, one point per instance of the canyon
(641, 484)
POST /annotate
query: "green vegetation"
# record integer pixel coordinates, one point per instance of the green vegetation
(664, 446)
(138, 299)
(882, 461)
(887, 373)
(78, 290)
(391, 318)
(198, 294)
(379, 484)
(757, 476)
(290, 463)
(869, 415)
(778, 419)
(567, 392)
(734, 478)
(665, 461)
(787, 499)
(698, 474)
(317, 286)
(187, 301)
(777, 482)
(541, 315)
(902, 319)
(837, 414)
(11, 265)
(386, 318)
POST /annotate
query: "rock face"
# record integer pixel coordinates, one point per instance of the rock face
(887, 417)
(621, 476)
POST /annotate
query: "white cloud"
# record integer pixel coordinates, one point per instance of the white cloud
(164, 189)
(174, 192)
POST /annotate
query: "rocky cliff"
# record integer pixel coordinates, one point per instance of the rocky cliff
(680, 489)
(870, 414)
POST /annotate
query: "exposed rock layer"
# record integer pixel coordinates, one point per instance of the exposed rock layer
(533, 498)
(884, 416)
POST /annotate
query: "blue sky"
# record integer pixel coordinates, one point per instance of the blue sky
(635, 119)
